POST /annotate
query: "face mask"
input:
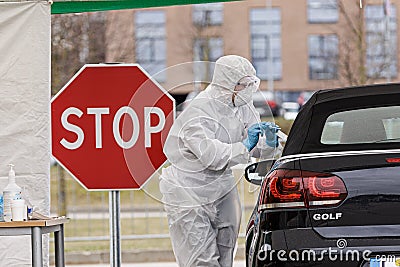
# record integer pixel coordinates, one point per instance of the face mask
(243, 97)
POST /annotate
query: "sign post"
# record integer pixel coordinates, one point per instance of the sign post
(115, 228)
(109, 125)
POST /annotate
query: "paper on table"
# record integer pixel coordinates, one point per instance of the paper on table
(38, 216)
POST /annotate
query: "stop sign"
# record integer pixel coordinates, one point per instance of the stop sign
(109, 124)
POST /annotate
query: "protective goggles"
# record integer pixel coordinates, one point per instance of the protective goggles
(252, 82)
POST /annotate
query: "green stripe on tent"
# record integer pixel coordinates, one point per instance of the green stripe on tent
(62, 7)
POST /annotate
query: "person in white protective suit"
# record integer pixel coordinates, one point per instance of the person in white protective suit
(219, 129)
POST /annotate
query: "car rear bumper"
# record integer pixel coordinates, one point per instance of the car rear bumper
(305, 247)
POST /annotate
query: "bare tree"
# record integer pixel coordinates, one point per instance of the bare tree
(76, 39)
(66, 31)
(353, 68)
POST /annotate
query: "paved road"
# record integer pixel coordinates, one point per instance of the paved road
(151, 264)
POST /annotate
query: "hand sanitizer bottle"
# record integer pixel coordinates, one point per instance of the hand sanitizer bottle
(11, 191)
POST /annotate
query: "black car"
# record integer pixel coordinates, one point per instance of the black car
(333, 198)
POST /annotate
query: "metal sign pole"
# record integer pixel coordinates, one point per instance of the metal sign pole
(115, 229)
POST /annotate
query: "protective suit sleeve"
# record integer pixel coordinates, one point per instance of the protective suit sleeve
(199, 138)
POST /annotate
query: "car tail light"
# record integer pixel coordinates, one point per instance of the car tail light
(271, 104)
(294, 189)
(393, 160)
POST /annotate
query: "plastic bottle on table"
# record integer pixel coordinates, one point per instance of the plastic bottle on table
(11, 191)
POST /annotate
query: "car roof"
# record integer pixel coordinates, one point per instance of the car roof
(304, 136)
(322, 96)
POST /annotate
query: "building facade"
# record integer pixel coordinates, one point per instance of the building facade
(295, 45)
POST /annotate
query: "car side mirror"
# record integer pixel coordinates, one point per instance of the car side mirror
(255, 173)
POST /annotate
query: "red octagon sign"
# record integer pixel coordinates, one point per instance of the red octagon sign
(109, 124)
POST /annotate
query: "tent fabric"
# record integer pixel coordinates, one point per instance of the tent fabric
(61, 7)
(24, 112)
(306, 131)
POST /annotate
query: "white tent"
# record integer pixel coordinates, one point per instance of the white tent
(24, 112)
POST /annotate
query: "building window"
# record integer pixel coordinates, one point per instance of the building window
(323, 56)
(381, 39)
(322, 11)
(150, 43)
(265, 28)
(206, 49)
(208, 14)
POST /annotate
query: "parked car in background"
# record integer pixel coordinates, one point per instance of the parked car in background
(289, 110)
(266, 104)
(289, 105)
(336, 187)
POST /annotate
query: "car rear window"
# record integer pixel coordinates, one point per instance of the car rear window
(369, 125)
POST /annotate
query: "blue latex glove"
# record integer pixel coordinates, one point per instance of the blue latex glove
(252, 136)
(270, 129)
